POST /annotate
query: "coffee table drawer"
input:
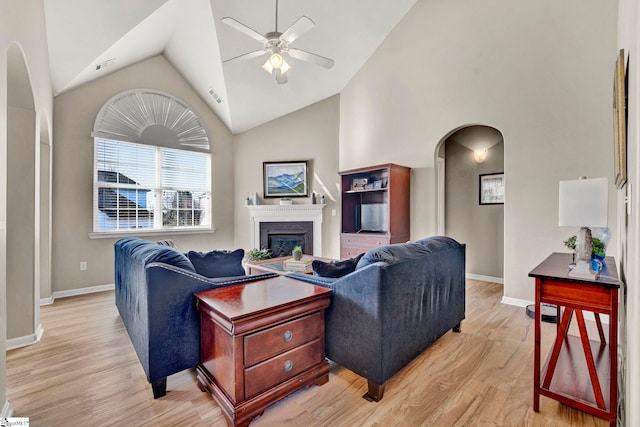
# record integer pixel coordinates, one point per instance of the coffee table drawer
(280, 368)
(270, 342)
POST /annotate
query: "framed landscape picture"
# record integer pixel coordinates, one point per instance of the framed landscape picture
(492, 189)
(286, 179)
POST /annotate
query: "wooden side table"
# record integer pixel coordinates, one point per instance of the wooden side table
(579, 372)
(260, 342)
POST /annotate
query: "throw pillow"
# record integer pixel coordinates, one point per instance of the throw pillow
(335, 269)
(218, 263)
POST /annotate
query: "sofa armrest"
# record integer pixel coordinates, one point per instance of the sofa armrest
(354, 320)
(173, 324)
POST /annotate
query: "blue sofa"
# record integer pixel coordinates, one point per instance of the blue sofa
(399, 300)
(154, 286)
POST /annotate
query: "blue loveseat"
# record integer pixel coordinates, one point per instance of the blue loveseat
(154, 286)
(399, 300)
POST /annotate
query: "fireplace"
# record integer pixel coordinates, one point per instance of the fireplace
(288, 225)
(281, 237)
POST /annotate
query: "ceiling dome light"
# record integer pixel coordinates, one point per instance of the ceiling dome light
(480, 155)
(276, 60)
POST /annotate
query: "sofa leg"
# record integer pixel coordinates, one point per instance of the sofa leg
(159, 387)
(457, 328)
(375, 393)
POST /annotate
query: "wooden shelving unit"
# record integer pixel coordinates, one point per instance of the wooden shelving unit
(388, 188)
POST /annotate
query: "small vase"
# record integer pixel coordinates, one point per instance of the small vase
(297, 256)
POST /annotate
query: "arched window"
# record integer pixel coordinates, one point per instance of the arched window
(152, 165)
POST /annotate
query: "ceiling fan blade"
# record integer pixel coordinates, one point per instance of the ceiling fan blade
(297, 29)
(246, 56)
(244, 29)
(311, 57)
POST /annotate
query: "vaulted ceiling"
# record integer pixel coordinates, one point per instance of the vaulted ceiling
(91, 38)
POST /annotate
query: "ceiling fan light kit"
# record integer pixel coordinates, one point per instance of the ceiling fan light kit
(276, 44)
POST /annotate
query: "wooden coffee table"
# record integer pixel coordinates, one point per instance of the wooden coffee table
(260, 342)
(276, 265)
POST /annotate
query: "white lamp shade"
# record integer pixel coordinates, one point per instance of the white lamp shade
(583, 203)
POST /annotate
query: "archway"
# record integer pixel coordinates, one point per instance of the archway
(21, 236)
(464, 158)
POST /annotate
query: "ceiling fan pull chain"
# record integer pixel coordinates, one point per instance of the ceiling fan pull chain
(276, 16)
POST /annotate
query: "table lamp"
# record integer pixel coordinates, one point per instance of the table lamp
(583, 203)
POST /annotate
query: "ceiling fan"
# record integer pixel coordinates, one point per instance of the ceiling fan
(277, 44)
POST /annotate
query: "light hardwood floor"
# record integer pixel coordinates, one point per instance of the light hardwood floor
(85, 372)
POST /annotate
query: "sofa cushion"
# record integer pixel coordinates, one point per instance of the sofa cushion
(393, 253)
(335, 269)
(218, 263)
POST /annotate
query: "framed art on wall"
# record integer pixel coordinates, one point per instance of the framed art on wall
(492, 189)
(286, 179)
(620, 121)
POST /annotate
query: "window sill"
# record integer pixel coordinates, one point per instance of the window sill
(142, 233)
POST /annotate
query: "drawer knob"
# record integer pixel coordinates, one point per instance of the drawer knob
(287, 336)
(288, 365)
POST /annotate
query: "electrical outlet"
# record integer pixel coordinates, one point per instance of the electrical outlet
(83, 265)
(333, 212)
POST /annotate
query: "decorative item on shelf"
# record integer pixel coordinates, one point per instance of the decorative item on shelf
(255, 199)
(322, 199)
(258, 254)
(297, 252)
(313, 198)
(583, 203)
(247, 201)
(377, 184)
(286, 201)
(358, 184)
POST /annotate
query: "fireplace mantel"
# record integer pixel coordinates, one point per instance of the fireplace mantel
(286, 213)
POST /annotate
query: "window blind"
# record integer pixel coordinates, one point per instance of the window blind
(145, 187)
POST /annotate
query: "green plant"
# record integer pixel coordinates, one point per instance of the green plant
(258, 254)
(571, 243)
(598, 246)
(297, 248)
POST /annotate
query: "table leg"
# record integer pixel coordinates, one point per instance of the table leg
(562, 334)
(593, 373)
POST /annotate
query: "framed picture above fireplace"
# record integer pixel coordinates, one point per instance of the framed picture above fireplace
(286, 179)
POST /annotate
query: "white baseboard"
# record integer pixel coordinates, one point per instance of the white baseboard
(7, 411)
(516, 301)
(26, 340)
(485, 278)
(76, 292)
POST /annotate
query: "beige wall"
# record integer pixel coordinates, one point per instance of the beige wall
(20, 222)
(307, 134)
(480, 227)
(540, 72)
(75, 113)
(629, 39)
(22, 26)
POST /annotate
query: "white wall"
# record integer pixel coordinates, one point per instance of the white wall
(307, 134)
(21, 22)
(75, 114)
(540, 72)
(629, 40)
